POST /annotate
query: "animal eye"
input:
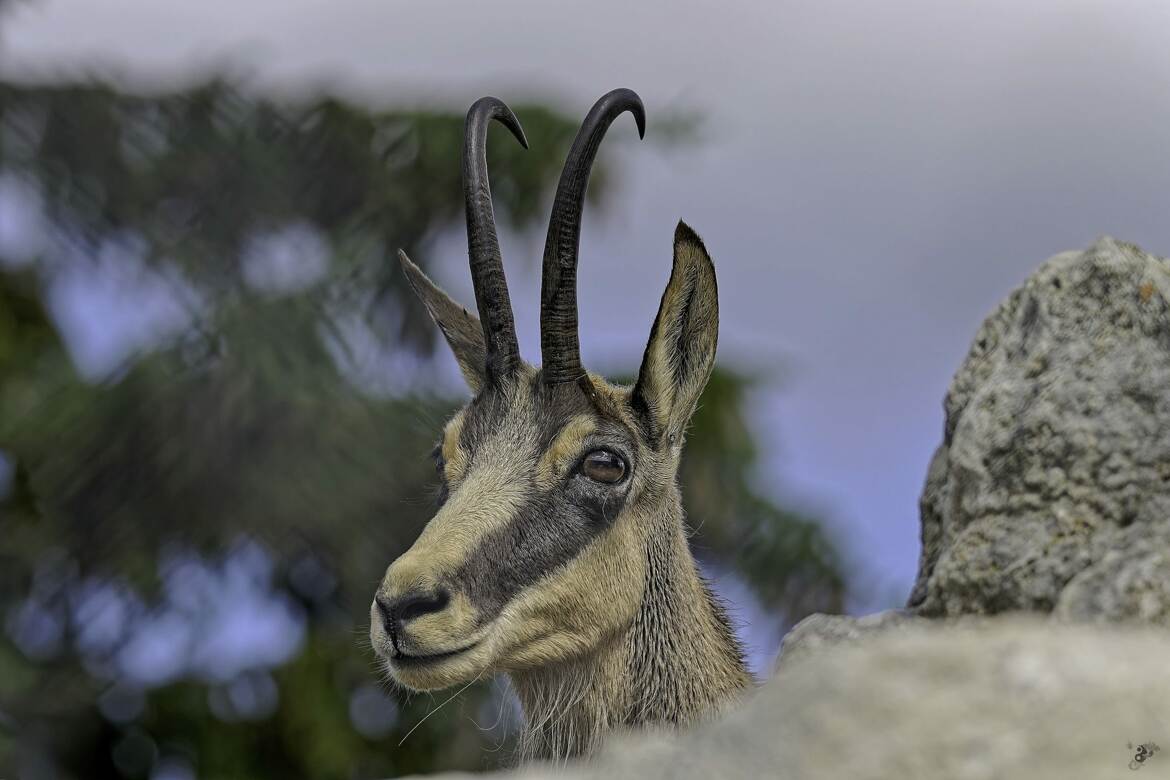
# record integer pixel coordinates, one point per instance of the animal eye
(604, 466)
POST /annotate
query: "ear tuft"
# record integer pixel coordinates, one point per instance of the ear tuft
(684, 234)
(460, 327)
(681, 352)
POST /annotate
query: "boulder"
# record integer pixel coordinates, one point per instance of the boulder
(1003, 698)
(1051, 489)
(817, 632)
(1050, 492)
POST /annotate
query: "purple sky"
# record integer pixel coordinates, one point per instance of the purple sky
(871, 180)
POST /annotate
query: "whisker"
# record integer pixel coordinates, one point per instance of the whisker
(441, 706)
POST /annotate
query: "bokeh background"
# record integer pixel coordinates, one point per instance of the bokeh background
(217, 398)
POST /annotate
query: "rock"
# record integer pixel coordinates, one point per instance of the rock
(1051, 489)
(817, 632)
(1006, 698)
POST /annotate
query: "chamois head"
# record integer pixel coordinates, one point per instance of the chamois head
(559, 488)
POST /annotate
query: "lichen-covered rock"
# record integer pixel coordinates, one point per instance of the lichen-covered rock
(1051, 490)
(1003, 698)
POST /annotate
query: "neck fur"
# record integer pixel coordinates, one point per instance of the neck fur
(677, 663)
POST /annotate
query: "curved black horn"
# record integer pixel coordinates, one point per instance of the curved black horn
(483, 248)
(559, 347)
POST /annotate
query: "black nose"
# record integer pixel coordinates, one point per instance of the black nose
(408, 606)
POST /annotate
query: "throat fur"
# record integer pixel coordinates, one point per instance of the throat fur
(677, 663)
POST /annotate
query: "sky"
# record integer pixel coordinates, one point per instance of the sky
(871, 179)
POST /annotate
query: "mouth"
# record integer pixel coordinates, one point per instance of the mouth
(407, 659)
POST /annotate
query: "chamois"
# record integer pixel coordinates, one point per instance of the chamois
(559, 552)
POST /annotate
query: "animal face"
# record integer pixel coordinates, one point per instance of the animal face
(555, 482)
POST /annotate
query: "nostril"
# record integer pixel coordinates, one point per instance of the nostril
(386, 610)
(414, 605)
(408, 606)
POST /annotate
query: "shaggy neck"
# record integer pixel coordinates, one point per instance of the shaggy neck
(677, 663)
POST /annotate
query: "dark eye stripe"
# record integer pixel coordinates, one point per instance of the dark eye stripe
(544, 535)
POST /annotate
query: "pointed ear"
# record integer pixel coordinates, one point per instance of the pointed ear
(681, 351)
(460, 327)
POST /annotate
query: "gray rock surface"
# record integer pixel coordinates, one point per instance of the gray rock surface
(817, 632)
(1009, 699)
(1051, 489)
